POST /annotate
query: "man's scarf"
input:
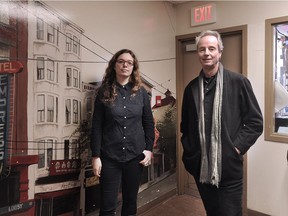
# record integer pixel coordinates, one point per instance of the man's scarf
(211, 162)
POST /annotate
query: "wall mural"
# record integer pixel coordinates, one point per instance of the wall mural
(46, 103)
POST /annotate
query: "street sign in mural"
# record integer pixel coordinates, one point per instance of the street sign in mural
(6, 68)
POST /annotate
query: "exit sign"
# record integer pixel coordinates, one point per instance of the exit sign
(203, 14)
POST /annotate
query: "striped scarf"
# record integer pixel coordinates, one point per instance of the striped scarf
(211, 162)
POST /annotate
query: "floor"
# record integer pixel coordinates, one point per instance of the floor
(178, 205)
(162, 200)
(152, 196)
(184, 205)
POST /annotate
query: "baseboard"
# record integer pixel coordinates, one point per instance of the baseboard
(255, 213)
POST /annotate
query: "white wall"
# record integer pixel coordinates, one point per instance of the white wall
(267, 165)
(146, 27)
(149, 29)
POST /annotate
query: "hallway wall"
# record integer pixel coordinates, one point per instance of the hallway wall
(146, 27)
(149, 28)
(267, 165)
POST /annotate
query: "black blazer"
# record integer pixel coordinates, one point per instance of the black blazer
(242, 124)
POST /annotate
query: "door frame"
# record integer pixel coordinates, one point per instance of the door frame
(181, 172)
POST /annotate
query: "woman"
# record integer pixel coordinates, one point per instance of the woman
(122, 133)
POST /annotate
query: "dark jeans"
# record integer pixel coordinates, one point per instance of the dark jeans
(112, 175)
(223, 201)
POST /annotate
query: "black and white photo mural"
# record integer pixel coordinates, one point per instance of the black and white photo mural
(63, 49)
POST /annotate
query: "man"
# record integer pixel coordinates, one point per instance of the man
(221, 120)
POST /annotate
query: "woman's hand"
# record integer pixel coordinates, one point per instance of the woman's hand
(97, 166)
(147, 159)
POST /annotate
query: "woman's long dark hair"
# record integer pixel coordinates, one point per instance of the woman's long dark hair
(107, 90)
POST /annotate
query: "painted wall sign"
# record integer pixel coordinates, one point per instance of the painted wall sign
(4, 119)
(11, 67)
(8, 67)
(61, 167)
(203, 14)
(158, 100)
(16, 208)
(56, 186)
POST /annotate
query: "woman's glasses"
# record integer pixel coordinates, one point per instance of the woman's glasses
(122, 62)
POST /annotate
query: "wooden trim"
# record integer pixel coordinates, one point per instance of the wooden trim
(255, 213)
(269, 133)
(179, 88)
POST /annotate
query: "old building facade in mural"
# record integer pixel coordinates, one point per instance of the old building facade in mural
(56, 98)
(164, 112)
(48, 100)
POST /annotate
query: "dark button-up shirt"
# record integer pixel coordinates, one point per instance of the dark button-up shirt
(209, 92)
(122, 130)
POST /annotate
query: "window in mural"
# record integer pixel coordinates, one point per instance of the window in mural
(56, 108)
(75, 78)
(68, 76)
(50, 108)
(45, 151)
(41, 153)
(40, 29)
(76, 45)
(75, 112)
(68, 111)
(50, 33)
(40, 108)
(4, 51)
(276, 101)
(4, 15)
(66, 149)
(72, 78)
(50, 70)
(68, 42)
(40, 68)
(49, 152)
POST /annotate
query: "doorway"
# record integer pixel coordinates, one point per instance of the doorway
(234, 58)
